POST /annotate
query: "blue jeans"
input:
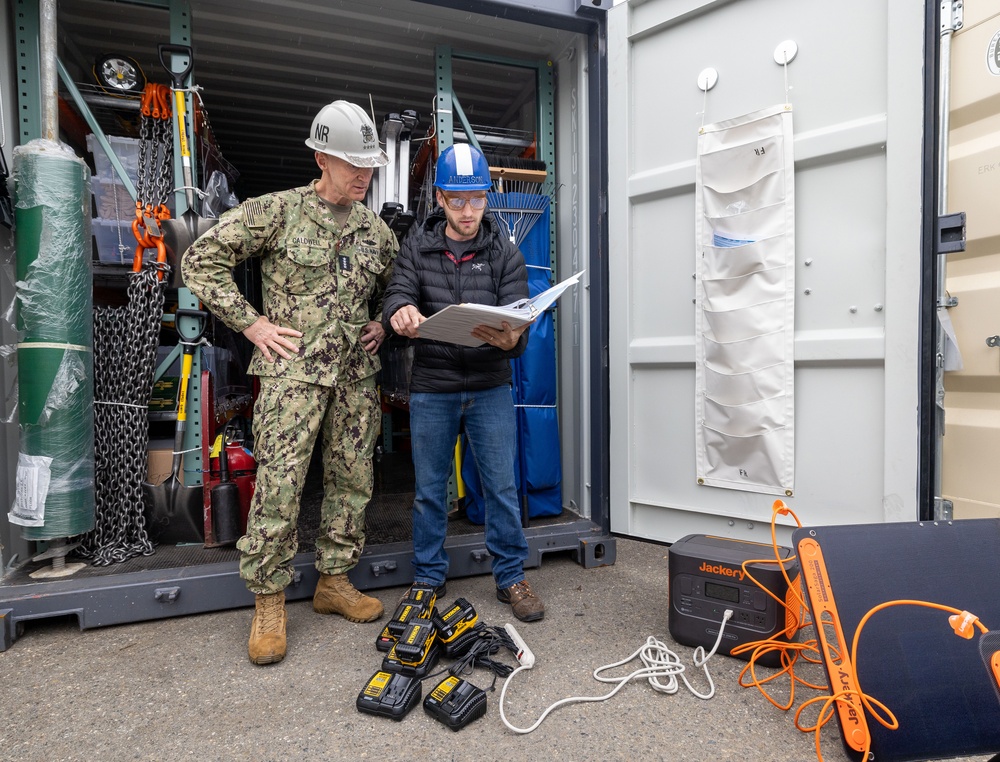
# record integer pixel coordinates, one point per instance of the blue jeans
(435, 422)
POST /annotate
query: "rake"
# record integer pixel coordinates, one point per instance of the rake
(518, 201)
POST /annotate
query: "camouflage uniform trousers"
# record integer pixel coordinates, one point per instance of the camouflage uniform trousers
(288, 416)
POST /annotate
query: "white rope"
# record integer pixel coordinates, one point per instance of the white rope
(122, 404)
(659, 662)
(786, 77)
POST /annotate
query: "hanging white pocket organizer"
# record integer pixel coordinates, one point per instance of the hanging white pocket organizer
(745, 305)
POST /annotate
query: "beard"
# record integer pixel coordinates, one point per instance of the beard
(466, 230)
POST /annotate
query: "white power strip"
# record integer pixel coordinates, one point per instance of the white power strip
(524, 655)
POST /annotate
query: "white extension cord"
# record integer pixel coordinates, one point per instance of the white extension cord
(660, 662)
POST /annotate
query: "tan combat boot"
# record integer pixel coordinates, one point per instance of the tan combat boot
(267, 631)
(336, 595)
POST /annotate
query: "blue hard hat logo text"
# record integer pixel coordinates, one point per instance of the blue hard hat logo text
(462, 167)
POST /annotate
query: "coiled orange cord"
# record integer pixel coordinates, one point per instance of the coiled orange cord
(799, 618)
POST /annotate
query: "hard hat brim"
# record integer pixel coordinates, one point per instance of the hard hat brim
(379, 159)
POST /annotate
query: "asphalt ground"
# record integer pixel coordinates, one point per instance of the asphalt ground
(183, 688)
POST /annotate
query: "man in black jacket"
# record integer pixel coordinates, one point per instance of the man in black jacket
(455, 257)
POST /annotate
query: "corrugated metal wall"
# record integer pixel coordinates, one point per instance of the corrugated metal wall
(972, 395)
(857, 125)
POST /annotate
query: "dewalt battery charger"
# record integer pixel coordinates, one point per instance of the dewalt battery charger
(455, 702)
(385, 641)
(406, 612)
(389, 695)
(424, 595)
(391, 662)
(418, 604)
(417, 638)
(462, 644)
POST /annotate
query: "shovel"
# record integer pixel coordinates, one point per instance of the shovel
(175, 512)
(179, 234)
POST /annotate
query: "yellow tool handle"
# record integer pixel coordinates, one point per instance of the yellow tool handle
(181, 109)
(459, 482)
(186, 364)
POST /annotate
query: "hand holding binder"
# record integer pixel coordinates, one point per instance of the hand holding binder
(455, 322)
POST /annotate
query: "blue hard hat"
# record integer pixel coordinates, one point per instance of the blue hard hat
(462, 167)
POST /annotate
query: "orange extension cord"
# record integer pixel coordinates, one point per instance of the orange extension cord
(798, 619)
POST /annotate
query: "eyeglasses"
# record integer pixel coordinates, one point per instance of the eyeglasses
(458, 202)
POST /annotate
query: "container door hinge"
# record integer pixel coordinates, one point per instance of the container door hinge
(944, 510)
(952, 15)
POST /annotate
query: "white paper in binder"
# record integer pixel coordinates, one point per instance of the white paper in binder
(745, 303)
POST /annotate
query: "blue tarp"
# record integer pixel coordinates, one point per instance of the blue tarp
(538, 466)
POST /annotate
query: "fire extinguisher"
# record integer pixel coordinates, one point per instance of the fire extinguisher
(237, 471)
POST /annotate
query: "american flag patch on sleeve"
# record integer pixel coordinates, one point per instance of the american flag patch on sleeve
(253, 213)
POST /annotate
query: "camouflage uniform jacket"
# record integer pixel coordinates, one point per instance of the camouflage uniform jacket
(324, 281)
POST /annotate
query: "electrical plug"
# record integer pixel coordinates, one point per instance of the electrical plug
(524, 655)
(963, 624)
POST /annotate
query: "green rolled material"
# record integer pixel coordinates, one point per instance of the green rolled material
(55, 350)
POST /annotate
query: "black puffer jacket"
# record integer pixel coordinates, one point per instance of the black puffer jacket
(427, 278)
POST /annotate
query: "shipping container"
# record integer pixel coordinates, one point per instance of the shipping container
(623, 103)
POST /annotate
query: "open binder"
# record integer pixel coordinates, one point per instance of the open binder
(455, 322)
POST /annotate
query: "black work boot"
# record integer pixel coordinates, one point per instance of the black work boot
(526, 606)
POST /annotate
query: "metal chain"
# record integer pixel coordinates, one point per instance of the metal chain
(163, 161)
(156, 153)
(155, 171)
(144, 177)
(125, 344)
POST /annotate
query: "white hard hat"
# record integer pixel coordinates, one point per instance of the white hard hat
(344, 130)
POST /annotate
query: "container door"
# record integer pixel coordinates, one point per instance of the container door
(855, 86)
(972, 395)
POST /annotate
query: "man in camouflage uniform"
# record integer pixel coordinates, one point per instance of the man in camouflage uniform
(325, 260)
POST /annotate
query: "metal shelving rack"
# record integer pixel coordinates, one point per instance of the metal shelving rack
(90, 596)
(448, 106)
(189, 580)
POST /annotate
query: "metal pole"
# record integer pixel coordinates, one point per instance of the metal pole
(952, 12)
(48, 80)
(951, 21)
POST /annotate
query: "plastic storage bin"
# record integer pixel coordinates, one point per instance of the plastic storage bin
(112, 200)
(112, 249)
(127, 151)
